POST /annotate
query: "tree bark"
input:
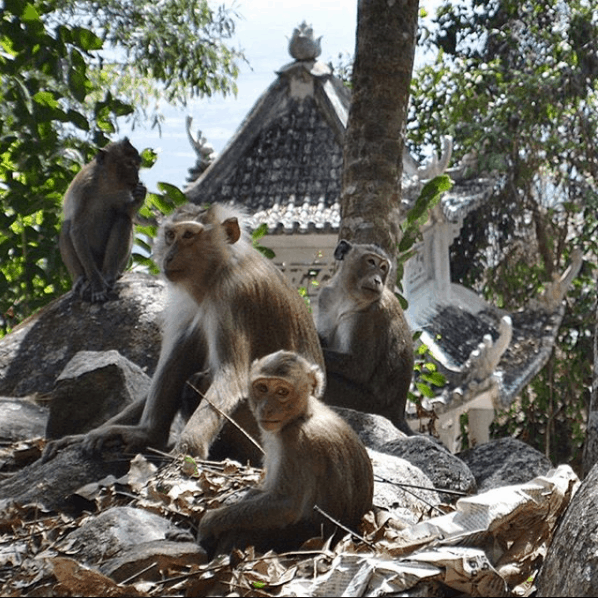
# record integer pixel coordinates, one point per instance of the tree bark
(590, 449)
(374, 140)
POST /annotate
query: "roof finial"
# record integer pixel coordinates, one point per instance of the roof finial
(302, 45)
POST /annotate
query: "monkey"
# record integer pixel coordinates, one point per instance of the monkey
(367, 345)
(98, 210)
(312, 457)
(228, 305)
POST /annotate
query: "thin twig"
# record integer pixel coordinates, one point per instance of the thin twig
(341, 526)
(161, 453)
(132, 577)
(227, 417)
(433, 489)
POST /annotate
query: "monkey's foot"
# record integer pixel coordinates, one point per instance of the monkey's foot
(190, 445)
(55, 446)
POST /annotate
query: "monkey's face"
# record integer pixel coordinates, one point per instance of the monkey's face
(180, 249)
(370, 274)
(127, 161)
(275, 402)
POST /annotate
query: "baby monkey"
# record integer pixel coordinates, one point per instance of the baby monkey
(312, 457)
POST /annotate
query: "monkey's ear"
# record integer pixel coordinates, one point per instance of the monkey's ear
(231, 230)
(319, 382)
(342, 249)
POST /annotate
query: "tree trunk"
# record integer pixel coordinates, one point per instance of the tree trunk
(590, 449)
(371, 190)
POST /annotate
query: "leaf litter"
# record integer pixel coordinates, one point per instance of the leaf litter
(491, 544)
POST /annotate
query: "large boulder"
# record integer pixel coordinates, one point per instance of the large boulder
(34, 354)
(504, 462)
(93, 387)
(569, 568)
(442, 467)
(374, 430)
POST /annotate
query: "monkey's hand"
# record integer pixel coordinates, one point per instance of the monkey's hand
(139, 193)
(131, 438)
(99, 294)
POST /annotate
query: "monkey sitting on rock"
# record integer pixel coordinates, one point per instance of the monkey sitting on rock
(97, 231)
(312, 458)
(228, 305)
(368, 348)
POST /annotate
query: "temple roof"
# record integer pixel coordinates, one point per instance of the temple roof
(284, 163)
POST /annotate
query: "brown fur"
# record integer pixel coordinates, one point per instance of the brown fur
(228, 306)
(366, 340)
(312, 457)
(97, 231)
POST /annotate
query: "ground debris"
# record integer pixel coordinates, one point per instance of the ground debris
(489, 544)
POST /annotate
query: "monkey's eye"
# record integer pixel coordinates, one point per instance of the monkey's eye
(188, 234)
(282, 392)
(384, 267)
(169, 236)
(371, 262)
(261, 387)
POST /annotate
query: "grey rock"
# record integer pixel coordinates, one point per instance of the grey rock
(569, 568)
(21, 418)
(504, 462)
(107, 534)
(53, 484)
(442, 467)
(373, 430)
(400, 487)
(153, 561)
(94, 386)
(35, 352)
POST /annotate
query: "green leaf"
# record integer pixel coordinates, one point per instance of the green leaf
(148, 157)
(434, 378)
(46, 98)
(259, 232)
(173, 193)
(425, 390)
(429, 197)
(85, 39)
(266, 252)
(29, 14)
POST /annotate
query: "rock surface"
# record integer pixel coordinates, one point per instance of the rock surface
(569, 568)
(504, 462)
(34, 354)
(93, 387)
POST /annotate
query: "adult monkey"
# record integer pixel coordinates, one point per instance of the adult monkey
(366, 340)
(228, 305)
(97, 231)
(312, 458)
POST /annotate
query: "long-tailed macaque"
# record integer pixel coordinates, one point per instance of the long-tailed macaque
(97, 230)
(367, 344)
(228, 306)
(312, 457)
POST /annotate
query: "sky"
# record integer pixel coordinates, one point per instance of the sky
(262, 32)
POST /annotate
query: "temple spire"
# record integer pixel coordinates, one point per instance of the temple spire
(302, 45)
